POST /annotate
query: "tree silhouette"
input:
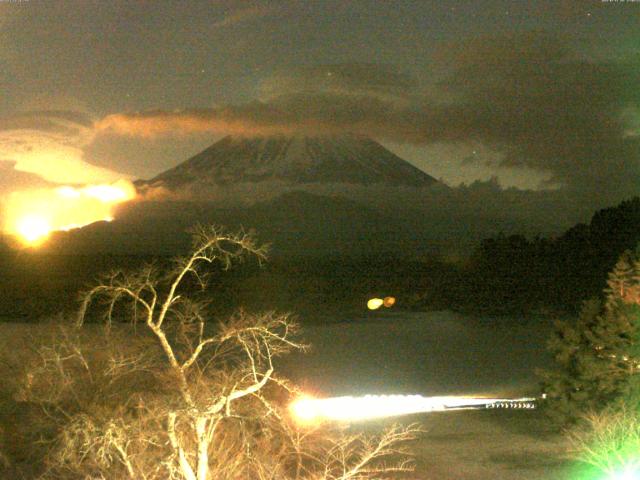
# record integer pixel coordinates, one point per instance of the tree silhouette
(598, 356)
(184, 399)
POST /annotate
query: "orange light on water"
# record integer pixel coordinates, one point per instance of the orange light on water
(375, 303)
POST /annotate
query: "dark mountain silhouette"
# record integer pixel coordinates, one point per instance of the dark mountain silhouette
(296, 159)
(295, 223)
(291, 216)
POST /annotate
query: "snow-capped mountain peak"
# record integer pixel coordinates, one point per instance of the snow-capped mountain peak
(297, 159)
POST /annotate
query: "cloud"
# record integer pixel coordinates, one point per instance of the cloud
(546, 109)
(323, 99)
(74, 125)
(254, 118)
(525, 96)
(12, 179)
(242, 15)
(319, 113)
(49, 145)
(384, 82)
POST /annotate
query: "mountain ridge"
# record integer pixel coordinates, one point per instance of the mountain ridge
(296, 159)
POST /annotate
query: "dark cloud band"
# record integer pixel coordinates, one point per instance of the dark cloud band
(525, 96)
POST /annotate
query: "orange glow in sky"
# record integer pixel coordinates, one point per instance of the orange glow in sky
(32, 215)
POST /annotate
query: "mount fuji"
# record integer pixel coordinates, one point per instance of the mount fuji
(303, 194)
(294, 160)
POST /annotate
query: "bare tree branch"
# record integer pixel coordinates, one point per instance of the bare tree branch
(189, 402)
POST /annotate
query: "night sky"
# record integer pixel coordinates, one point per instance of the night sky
(541, 94)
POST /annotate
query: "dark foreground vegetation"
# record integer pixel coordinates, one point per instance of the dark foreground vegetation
(594, 391)
(512, 274)
(506, 275)
(171, 394)
(164, 394)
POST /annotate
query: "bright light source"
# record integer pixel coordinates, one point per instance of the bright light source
(68, 192)
(375, 303)
(309, 409)
(389, 301)
(32, 215)
(629, 473)
(107, 193)
(305, 409)
(33, 229)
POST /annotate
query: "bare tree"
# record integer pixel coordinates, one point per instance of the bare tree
(189, 400)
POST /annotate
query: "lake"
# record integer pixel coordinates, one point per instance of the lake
(434, 353)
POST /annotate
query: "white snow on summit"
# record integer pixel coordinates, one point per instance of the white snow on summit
(348, 159)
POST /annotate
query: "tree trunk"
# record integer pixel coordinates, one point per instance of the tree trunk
(203, 448)
(185, 467)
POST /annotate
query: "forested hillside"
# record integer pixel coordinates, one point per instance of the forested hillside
(512, 273)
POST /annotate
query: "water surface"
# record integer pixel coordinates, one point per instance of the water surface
(433, 353)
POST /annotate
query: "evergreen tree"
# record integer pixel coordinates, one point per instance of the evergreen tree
(620, 281)
(598, 355)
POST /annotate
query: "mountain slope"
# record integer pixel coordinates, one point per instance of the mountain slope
(295, 223)
(347, 159)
